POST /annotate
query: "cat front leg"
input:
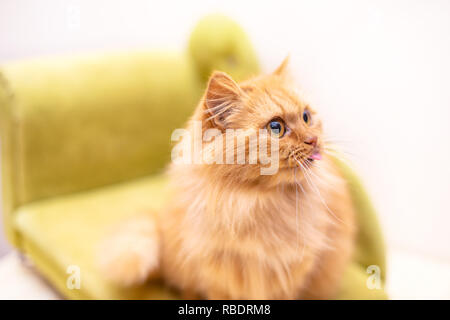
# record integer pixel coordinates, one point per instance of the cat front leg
(130, 254)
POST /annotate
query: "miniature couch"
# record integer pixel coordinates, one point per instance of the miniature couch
(84, 142)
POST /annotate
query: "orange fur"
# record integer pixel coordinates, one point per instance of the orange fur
(232, 233)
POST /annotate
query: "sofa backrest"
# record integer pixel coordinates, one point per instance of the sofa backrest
(79, 123)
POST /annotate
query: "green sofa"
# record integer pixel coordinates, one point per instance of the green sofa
(84, 142)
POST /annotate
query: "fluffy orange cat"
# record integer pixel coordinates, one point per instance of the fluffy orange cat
(231, 232)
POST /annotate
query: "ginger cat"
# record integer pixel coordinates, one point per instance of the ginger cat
(231, 232)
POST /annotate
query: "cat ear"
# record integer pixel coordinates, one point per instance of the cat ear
(283, 67)
(222, 95)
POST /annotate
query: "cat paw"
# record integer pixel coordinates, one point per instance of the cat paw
(130, 255)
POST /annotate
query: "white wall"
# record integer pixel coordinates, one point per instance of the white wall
(379, 71)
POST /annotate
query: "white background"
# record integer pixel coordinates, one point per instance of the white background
(378, 71)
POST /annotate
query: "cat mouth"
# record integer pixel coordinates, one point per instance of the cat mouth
(305, 160)
(316, 155)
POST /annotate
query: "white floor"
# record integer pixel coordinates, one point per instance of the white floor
(410, 276)
(18, 280)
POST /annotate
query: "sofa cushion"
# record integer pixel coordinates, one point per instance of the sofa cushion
(61, 235)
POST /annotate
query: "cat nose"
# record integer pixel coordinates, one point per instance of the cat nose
(311, 140)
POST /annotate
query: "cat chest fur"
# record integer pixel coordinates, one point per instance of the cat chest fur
(257, 251)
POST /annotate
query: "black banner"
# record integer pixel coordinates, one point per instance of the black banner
(203, 309)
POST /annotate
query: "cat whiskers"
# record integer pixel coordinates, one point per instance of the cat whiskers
(339, 155)
(311, 172)
(334, 148)
(297, 228)
(224, 102)
(313, 186)
(223, 108)
(333, 151)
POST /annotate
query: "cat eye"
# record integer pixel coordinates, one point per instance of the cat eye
(306, 117)
(277, 128)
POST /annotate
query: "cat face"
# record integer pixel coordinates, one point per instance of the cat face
(266, 102)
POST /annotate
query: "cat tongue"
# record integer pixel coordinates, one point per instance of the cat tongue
(316, 156)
